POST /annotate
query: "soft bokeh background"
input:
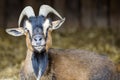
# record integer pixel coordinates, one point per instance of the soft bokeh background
(90, 25)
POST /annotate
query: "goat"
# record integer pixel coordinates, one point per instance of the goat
(43, 63)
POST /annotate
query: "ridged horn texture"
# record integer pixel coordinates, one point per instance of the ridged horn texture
(45, 10)
(27, 11)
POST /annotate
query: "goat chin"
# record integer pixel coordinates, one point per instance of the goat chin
(39, 49)
(73, 64)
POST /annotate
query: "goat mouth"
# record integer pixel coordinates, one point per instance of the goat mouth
(39, 48)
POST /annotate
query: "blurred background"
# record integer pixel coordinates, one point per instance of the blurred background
(90, 25)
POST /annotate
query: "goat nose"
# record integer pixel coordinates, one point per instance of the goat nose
(40, 39)
(37, 39)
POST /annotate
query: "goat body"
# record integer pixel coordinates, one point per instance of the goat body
(72, 64)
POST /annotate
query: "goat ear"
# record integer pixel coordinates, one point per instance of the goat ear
(15, 31)
(56, 24)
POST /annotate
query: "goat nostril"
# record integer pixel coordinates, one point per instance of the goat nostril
(35, 39)
(40, 39)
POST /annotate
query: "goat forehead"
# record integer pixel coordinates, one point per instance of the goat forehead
(37, 22)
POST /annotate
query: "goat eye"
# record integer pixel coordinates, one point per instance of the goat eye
(26, 30)
(50, 26)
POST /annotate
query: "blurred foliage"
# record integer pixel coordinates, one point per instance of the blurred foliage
(100, 40)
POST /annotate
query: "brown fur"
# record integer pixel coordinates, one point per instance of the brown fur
(80, 65)
(27, 72)
(28, 42)
(49, 40)
(73, 65)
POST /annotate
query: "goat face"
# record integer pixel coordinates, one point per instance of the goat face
(36, 37)
(36, 28)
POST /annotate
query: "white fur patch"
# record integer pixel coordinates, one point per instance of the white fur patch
(28, 26)
(46, 24)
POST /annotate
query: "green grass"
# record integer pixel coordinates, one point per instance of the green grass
(13, 49)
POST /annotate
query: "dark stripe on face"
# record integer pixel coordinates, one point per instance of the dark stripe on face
(37, 22)
(29, 36)
(46, 34)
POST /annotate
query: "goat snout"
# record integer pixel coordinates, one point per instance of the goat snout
(38, 40)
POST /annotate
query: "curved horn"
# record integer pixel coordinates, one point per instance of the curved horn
(45, 9)
(27, 11)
